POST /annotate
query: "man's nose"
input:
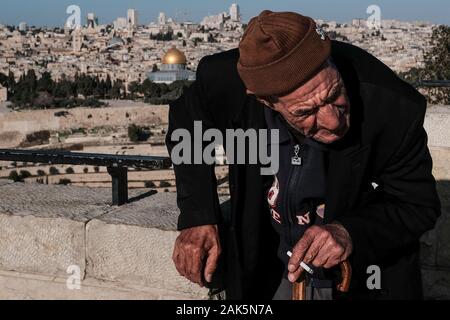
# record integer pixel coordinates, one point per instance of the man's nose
(328, 117)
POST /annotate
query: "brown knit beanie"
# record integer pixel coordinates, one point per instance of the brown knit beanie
(279, 51)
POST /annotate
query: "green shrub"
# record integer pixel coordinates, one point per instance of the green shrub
(70, 170)
(14, 176)
(53, 171)
(150, 184)
(64, 182)
(24, 174)
(137, 134)
(164, 184)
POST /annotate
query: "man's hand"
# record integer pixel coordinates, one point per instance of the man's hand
(192, 247)
(323, 246)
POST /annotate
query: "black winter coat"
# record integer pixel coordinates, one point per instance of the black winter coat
(386, 144)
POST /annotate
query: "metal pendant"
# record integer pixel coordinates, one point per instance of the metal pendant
(296, 160)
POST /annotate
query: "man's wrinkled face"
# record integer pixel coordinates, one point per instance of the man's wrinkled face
(319, 109)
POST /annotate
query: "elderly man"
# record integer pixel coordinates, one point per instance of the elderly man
(354, 180)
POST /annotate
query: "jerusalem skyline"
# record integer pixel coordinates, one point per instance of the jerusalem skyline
(53, 15)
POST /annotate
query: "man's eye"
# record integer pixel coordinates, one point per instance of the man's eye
(341, 109)
(302, 113)
(334, 96)
(331, 99)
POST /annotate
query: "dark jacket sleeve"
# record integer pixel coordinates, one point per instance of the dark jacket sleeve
(408, 205)
(196, 183)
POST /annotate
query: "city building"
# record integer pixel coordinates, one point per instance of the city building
(132, 18)
(162, 18)
(129, 53)
(23, 26)
(215, 21)
(235, 13)
(77, 40)
(115, 42)
(359, 23)
(120, 23)
(199, 35)
(173, 68)
(92, 20)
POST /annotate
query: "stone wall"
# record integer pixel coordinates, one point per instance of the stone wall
(17, 124)
(125, 252)
(118, 252)
(436, 244)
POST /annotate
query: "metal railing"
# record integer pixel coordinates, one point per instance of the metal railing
(433, 84)
(117, 165)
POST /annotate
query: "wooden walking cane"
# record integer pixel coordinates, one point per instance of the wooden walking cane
(299, 288)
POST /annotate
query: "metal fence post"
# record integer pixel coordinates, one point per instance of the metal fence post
(119, 177)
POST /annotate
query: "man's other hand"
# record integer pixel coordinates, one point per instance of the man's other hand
(197, 249)
(323, 246)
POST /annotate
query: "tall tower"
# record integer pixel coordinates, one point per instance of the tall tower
(23, 26)
(77, 40)
(235, 13)
(132, 20)
(92, 20)
(162, 18)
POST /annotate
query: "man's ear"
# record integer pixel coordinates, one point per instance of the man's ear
(261, 100)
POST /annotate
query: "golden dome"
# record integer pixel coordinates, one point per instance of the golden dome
(174, 56)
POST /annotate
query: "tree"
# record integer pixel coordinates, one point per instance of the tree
(133, 89)
(11, 82)
(64, 182)
(211, 38)
(168, 36)
(53, 171)
(117, 88)
(64, 89)
(437, 66)
(45, 83)
(99, 89)
(24, 174)
(3, 80)
(70, 170)
(164, 184)
(137, 134)
(196, 41)
(437, 60)
(30, 80)
(108, 86)
(14, 176)
(24, 91)
(150, 89)
(150, 184)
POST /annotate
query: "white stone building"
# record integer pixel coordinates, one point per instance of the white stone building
(120, 23)
(132, 18)
(173, 68)
(235, 13)
(162, 19)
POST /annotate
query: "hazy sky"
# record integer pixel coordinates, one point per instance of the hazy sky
(53, 12)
